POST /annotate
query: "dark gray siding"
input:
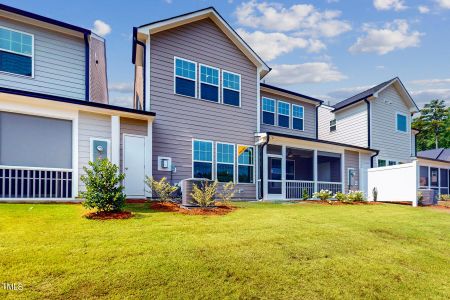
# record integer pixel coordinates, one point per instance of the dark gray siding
(58, 63)
(309, 118)
(181, 119)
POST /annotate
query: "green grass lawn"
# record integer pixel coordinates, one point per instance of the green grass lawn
(262, 250)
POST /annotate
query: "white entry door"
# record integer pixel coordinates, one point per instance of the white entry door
(134, 165)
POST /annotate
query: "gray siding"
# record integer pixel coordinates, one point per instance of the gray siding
(351, 125)
(181, 119)
(130, 126)
(309, 118)
(59, 63)
(90, 125)
(351, 160)
(393, 145)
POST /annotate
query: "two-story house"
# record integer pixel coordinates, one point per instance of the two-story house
(216, 120)
(54, 111)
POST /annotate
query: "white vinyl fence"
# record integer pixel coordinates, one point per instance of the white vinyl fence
(394, 183)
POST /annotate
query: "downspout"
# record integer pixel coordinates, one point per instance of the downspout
(86, 66)
(369, 133)
(373, 156)
(261, 165)
(317, 122)
(133, 59)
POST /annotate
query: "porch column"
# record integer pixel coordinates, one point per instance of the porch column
(149, 155)
(315, 171)
(265, 174)
(343, 172)
(283, 172)
(115, 140)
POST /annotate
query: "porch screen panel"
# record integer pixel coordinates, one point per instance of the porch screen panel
(32, 141)
(423, 180)
(444, 181)
(329, 166)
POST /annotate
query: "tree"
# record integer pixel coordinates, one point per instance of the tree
(433, 125)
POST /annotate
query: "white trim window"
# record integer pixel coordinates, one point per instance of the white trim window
(392, 163)
(284, 114)
(202, 159)
(333, 125)
(231, 88)
(298, 114)
(382, 163)
(401, 122)
(268, 111)
(246, 164)
(209, 83)
(224, 162)
(100, 149)
(185, 77)
(16, 52)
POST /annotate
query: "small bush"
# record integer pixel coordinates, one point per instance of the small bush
(104, 191)
(356, 196)
(163, 189)
(228, 191)
(340, 197)
(444, 197)
(323, 195)
(305, 195)
(420, 198)
(204, 195)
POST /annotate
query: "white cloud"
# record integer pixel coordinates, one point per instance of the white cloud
(303, 18)
(101, 28)
(344, 93)
(392, 36)
(423, 9)
(380, 67)
(121, 100)
(272, 45)
(168, 1)
(121, 87)
(444, 3)
(314, 72)
(424, 96)
(434, 81)
(389, 4)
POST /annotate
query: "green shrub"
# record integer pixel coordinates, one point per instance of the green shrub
(419, 198)
(356, 196)
(104, 190)
(340, 196)
(163, 189)
(444, 197)
(203, 193)
(305, 195)
(227, 193)
(323, 194)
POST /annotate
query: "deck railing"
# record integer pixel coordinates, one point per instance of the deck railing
(35, 183)
(295, 188)
(331, 186)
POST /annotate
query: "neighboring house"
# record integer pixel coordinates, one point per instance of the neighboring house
(54, 111)
(379, 118)
(434, 170)
(216, 120)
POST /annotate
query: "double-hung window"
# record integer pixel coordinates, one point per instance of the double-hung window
(245, 164)
(231, 88)
(225, 162)
(185, 77)
(283, 114)
(16, 52)
(209, 83)
(333, 125)
(402, 122)
(268, 111)
(202, 159)
(297, 117)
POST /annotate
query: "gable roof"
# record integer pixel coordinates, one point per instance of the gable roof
(441, 154)
(213, 14)
(373, 92)
(40, 18)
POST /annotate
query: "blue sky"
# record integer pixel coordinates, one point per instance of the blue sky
(329, 49)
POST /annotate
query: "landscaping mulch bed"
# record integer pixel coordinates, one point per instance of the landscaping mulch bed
(173, 207)
(322, 202)
(108, 215)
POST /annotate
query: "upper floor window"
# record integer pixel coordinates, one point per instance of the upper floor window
(283, 114)
(231, 88)
(209, 83)
(268, 109)
(225, 162)
(203, 159)
(297, 117)
(245, 164)
(402, 122)
(333, 125)
(185, 77)
(16, 52)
